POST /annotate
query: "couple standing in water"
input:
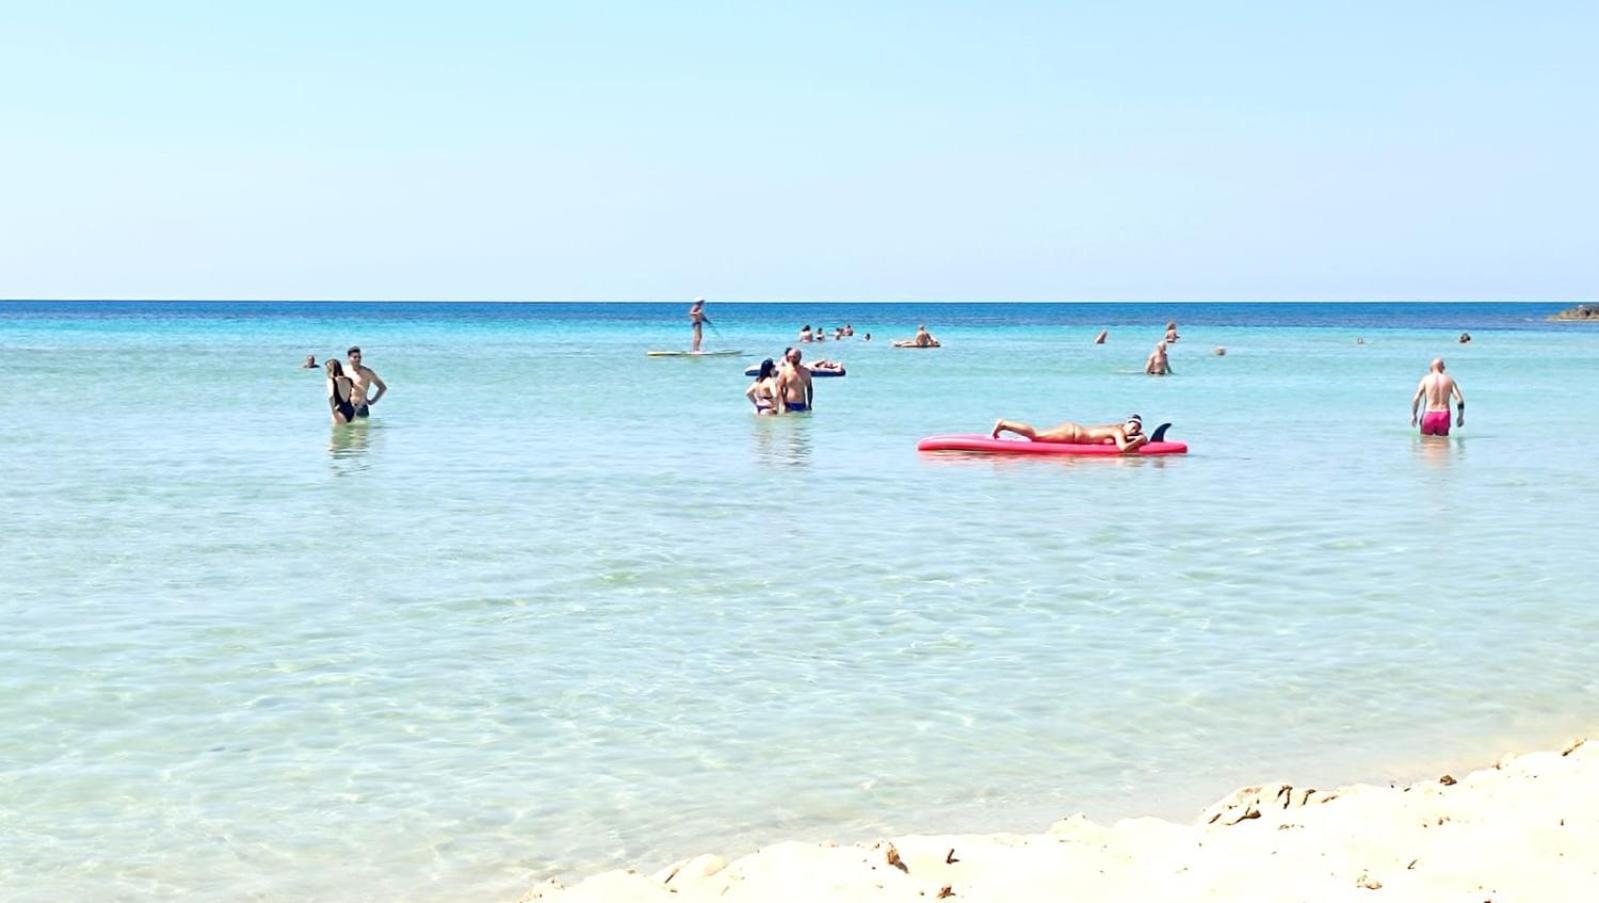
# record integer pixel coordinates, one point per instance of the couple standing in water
(784, 388)
(349, 386)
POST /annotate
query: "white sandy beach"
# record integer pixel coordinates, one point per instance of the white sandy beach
(1526, 828)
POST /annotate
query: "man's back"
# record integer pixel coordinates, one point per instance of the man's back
(1437, 388)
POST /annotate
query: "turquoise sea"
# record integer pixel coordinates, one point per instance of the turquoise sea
(560, 607)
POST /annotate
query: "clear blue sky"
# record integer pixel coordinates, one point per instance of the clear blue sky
(630, 150)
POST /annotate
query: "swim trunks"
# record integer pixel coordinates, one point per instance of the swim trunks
(795, 407)
(364, 411)
(1435, 423)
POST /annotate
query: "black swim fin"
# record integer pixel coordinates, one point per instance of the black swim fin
(1160, 433)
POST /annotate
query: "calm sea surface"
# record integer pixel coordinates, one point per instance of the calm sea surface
(560, 607)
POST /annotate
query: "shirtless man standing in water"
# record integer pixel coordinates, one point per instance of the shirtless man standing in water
(1437, 387)
(1128, 436)
(793, 384)
(362, 380)
(1158, 364)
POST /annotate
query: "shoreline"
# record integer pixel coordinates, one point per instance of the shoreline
(1525, 827)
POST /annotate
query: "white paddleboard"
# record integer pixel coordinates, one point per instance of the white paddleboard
(692, 353)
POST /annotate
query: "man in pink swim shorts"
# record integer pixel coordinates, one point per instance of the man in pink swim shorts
(1438, 388)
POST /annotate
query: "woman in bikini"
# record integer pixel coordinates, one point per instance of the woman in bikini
(339, 388)
(1127, 436)
(763, 391)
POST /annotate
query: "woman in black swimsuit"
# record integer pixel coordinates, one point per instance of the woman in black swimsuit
(339, 393)
(762, 392)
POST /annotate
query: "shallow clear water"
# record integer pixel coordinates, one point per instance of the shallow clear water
(560, 607)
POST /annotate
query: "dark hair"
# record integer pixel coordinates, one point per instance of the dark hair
(766, 369)
(807, 328)
(333, 367)
(354, 349)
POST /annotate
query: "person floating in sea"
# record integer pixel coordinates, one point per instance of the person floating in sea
(922, 339)
(363, 379)
(805, 333)
(794, 390)
(1438, 388)
(310, 362)
(1361, 340)
(1221, 351)
(1465, 338)
(1103, 335)
(1158, 364)
(1171, 332)
(763, 391)
(340, 389)
(696, 318)
(868, 337)
(1128, 436)
(849, 330)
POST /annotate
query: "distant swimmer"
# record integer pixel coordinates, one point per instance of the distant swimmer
(1361, 340)
(310, 362)
(1465, 338)
(340, 390)
(868, 337)
(1438, 388)
(1128, 435)
(1158, 364)
(794, 392)
(1103, 335)
(696, 318)
(805, 333)
(922, 339)
(1171, 332)
(838, 333)
(1220, 351)
(363, 380)
(849, 330)
(763, 391)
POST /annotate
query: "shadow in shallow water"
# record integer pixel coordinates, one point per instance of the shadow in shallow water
(1439, 451)
(348, 446)
(784, 439)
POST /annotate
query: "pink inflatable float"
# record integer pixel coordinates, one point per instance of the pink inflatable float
(985, 444)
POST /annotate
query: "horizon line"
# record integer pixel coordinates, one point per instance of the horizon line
(687, 299)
